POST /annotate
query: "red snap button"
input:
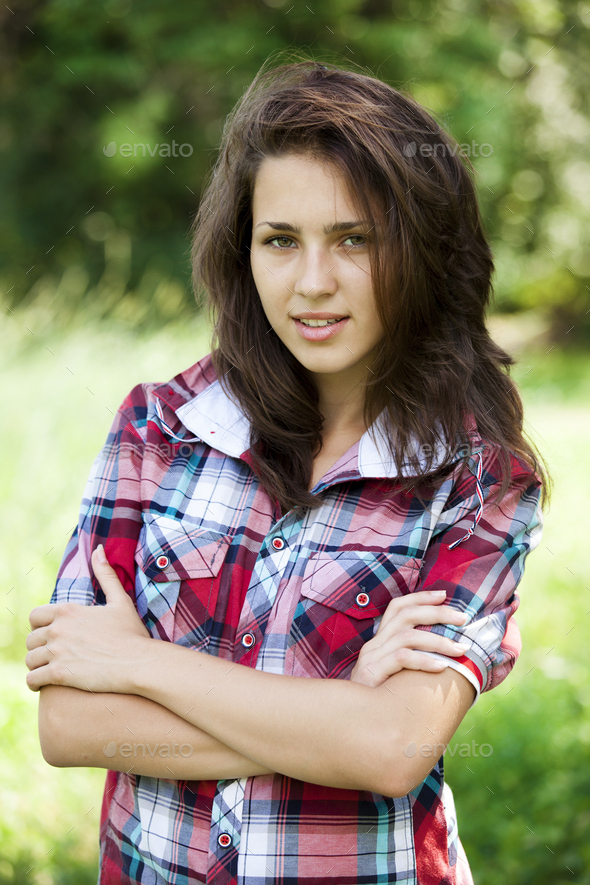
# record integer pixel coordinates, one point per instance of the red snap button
(362, 599)
(224, 840)
(278, 543)
(162, 561)
(248, 640)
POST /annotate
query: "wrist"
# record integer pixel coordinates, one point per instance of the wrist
(155, 669)
(142, 663)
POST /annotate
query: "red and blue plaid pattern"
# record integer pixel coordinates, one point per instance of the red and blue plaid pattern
(189, 529)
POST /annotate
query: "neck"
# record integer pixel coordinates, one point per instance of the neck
(341, 405)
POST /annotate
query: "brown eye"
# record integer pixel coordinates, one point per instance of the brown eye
(273, 239)
(357, 237)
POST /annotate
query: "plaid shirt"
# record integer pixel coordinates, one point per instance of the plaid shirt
(213, 565)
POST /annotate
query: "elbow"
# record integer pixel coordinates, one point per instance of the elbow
(51, 748)
(404, 774)
(395, 786)
(50, 751)
(392, 777)
(401, 786)
(51, 754)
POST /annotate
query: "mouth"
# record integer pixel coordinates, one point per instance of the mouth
(315, 323)
(320, 329)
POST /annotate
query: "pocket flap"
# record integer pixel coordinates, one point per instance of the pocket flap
(174, 550)
(360, 583)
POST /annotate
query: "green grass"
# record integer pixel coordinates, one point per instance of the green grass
(59, 393)
(523, 814)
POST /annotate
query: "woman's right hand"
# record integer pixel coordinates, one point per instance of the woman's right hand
(397, 645)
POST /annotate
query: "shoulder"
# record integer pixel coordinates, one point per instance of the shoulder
(173, 393)
(150, 400)
(492, 477)
(489, 460)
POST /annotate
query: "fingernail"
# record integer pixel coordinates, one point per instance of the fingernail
(100, 554)
(462, 647)
(439, 593)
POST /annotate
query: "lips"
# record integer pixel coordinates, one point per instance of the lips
(315, 323)
(320, 333)
(318, 315)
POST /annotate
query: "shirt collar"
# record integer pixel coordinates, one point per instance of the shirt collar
(217, 420)
(214, 418)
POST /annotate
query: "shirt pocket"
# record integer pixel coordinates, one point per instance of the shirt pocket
(177, 579)
(343, 596)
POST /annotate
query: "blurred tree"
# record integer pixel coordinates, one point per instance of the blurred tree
(85, 220)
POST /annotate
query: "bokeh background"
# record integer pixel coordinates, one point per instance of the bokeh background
(95, 296)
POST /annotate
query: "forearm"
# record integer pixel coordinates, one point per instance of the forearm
(309, 729)
(324, 731)
(132, 734)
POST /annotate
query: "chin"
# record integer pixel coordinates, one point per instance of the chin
(323, 367)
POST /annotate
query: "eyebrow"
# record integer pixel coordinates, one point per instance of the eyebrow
(339, 227)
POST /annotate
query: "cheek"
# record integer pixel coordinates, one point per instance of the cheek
(263, 278)
(267, 301)
(259, 278)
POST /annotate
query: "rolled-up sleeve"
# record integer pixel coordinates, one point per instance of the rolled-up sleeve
(480, 573)
(110, 512)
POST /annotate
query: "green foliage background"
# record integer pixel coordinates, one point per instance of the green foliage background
(95, 296)
(79, 228)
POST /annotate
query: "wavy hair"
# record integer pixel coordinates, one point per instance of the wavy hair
(437, 369)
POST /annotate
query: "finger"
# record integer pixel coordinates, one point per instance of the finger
(426, 596)
(420, 597)
(39, 677)
(43, 615)
(36, 638)
(407, 621)
(422, 640)
(415, 660)
(107, 577)
(412, 615)
(38, 657)
(430, 614)
(374, 673)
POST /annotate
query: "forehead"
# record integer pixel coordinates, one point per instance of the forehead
(300, 183)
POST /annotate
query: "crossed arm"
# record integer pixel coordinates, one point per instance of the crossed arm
(79, 728)
(344, 739)
(238, 721)
(341, 738)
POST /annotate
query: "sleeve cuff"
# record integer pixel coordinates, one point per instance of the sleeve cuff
(471, 667)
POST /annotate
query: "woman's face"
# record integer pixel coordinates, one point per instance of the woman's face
(305, 268)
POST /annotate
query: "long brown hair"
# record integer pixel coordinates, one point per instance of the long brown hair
(431, 269)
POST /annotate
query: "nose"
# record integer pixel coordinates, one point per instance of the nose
(316, 273)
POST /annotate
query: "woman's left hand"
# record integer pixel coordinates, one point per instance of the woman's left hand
(397, 645)
(92, 647)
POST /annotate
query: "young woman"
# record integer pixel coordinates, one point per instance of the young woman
(288, 515)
